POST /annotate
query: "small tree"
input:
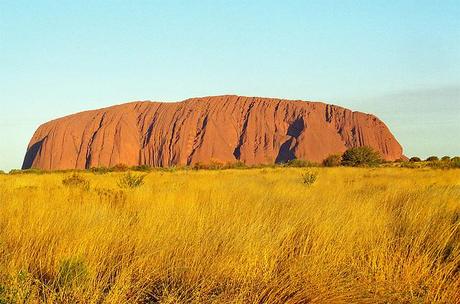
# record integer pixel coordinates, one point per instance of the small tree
(432, 158)
(333, 160)
(415, 159)
(445, 158)
(455, 161)
(361, 156)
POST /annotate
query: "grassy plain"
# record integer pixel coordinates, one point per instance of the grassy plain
(382, 235)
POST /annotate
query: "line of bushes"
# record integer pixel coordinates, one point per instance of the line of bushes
(444, 162)
(354, 157)
(435, 159)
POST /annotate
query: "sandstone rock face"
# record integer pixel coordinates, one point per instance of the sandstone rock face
(210, 129)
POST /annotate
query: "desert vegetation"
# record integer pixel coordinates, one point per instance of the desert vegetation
(361, 156)
(333, 160)
(432, 159)
(268, 235)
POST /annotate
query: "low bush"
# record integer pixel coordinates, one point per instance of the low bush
(455, 161)
(309, 177)
(171, 169)
(236, 165)
(415, 159)
(361, 157)
(411, 164)
(333, 160)
(214, 165)
(199, 166)
(77, 181)
(300, 163)
(131, 181)
(445, 158)
(119, 168)
(432, 159)
(27, 171)
(142, 168)
(100, 170)
(15, 171)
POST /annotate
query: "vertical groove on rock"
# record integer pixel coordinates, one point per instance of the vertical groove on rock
(89, 149)
(243, 132)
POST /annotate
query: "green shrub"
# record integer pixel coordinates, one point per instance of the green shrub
(415, 159)
(170, 169)
(100, 170)
(333, 160)
(15, 171)
(142, 168)
(199, 166)
(27, 171)
(119, 168)
(432, 158)
(235, 165)
(309, 177)
(131, 181)
(215, 165)
(299, 163)
(361, 157)
(455, 162)
(445, 158)
(76, 181)
(411, 164)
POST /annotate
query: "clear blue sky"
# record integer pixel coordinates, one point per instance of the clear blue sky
(397, 59)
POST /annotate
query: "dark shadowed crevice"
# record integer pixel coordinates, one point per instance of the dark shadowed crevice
(89, 153)
(286, 152)
(199, 138)
(296, 127)
(237, 150)
(32, 153)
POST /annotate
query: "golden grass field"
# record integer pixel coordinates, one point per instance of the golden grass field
(383, 235)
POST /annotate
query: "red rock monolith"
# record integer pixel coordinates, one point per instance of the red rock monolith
(210, 129)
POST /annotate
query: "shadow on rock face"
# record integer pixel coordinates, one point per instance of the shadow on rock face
(287, 152)
(31, 154)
